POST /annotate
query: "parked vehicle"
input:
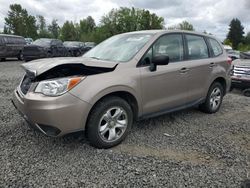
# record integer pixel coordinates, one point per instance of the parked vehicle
(11, 46)
(241, 74)
(44, 48)
(233, 54)
(75, 48)
(245, 55)
(89, 45)
(227, 48)
(28, 40)
(128, 77)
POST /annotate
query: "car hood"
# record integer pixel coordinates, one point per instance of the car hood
(242, 62)
(42, 65)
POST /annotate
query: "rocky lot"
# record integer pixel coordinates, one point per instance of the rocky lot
(183, 149)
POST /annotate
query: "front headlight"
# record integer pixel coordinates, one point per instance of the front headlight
(57, 87)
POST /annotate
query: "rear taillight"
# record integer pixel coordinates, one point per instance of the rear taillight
(229, 60)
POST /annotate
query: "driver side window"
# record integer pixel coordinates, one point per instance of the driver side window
(170, 45)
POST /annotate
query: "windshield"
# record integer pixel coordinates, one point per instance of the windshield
(121, 48)
(42, 42)
(72, 44)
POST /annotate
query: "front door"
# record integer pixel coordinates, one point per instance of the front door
(165, 88)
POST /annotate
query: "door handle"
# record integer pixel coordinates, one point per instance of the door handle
(184, 70)
(211, 65)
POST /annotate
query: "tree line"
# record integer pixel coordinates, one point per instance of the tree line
(19, 22)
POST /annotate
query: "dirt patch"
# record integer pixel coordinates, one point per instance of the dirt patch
(241, 139)
(193, 157)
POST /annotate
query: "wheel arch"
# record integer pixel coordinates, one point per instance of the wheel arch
(223, 82)
(123, 94)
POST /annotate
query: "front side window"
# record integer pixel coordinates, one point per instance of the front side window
(170, 45)
(121, 48)
(217, 50)
(197, 47)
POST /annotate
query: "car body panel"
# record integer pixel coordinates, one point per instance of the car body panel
(54, 48)
(11, 45)
(241, 74)
(154, 91)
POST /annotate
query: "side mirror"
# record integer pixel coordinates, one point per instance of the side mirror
(159, 60)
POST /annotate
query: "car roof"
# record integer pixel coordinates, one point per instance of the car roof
(162, 31)
(5, 35)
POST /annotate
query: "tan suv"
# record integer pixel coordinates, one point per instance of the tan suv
(128, 77)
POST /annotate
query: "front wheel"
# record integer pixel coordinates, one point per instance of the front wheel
(214, 99)
(109, 122)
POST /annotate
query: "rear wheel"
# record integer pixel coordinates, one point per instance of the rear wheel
(2, 59)
(109, 122)
(214, 99)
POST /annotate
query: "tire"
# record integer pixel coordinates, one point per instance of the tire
(246, 92)
(20, 56)
(2, 59)
(109, 122)
(214, 99)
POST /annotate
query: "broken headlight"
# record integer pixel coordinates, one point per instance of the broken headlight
(58, 86)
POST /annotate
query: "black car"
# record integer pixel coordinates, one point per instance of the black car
(44, 48)
(75, 48)
(11, 46)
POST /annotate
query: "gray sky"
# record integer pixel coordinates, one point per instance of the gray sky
(213, 16)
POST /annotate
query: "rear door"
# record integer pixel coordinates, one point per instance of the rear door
(165, 88)
(199, 66)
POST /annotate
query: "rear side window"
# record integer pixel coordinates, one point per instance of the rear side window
(216, 48)
(197, 47)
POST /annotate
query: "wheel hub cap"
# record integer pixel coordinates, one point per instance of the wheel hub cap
(215, 98)
(113, 124)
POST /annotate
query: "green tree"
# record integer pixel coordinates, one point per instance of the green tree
(42, 28)
(184, 26)
(6, 30)
(54, 29)
(247, 39)
(236, 32)
(19, 22)
(68, 31)
(86, 28)
(126, 20)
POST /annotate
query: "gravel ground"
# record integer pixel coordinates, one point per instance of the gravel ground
(183, 149)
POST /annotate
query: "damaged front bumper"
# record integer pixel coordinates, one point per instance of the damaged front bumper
(53, 116)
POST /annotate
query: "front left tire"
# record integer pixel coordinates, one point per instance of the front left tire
(109, 122)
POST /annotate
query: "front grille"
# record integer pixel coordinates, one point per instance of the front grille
(25, 85)
(241, 71)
